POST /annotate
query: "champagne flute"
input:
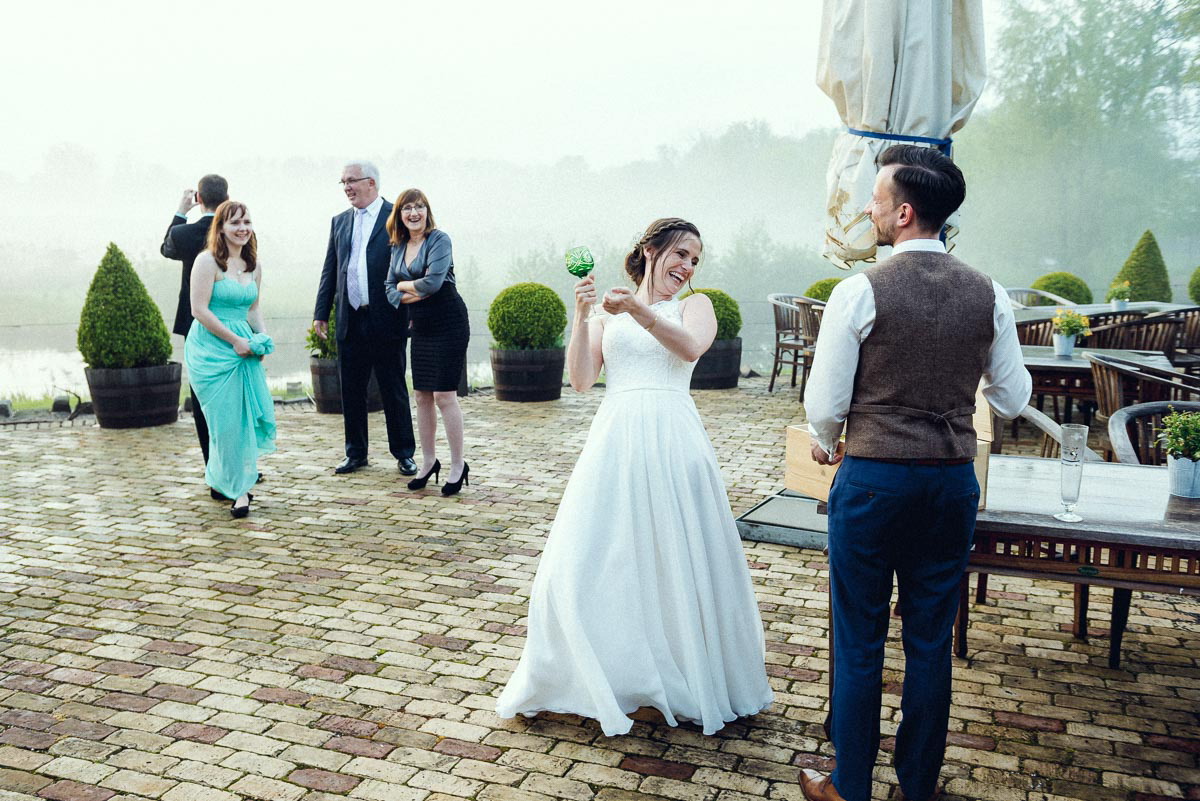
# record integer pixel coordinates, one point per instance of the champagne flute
(580, 264)
(1074, 439)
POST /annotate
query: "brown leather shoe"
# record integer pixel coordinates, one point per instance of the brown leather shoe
(818, 787)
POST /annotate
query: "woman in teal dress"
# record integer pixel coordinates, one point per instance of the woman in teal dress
(223, 353)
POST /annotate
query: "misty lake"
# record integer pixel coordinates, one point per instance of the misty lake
(41, 360)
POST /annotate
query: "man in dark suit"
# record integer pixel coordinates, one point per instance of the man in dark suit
(371, 333)
(184, 242)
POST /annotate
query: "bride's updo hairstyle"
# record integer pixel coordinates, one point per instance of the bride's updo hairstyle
(660, 237)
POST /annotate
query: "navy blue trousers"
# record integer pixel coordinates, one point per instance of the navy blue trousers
(916, 522)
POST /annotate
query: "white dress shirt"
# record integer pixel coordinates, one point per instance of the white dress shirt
(360, 259)
(848, 320)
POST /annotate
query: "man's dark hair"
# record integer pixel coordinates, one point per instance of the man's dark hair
(213, 191)
(926, 180)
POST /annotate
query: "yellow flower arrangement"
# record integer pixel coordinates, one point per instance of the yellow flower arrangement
(1069, 323)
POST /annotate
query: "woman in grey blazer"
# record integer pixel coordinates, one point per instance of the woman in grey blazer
(422, 276)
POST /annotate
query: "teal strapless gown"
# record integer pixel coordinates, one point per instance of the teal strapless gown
(233, 392)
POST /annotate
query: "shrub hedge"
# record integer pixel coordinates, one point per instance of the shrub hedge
(1063, 284)
(1146, 271)
(822, 289)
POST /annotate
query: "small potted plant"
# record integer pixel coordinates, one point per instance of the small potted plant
(527, 321)
(326, 380)
(1067, 326)
(1180, 437)
(720, 366)
(125, 344)
(1118, 295)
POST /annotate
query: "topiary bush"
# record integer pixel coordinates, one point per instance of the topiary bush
(1146, 271)
(822, 289)
(527, 316)
(729, 316)
(1064, 285)
(1194, 287)
(120, 326)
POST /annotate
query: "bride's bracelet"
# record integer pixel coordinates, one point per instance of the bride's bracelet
(653, 322)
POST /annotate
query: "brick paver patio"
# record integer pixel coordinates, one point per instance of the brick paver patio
(349, 638)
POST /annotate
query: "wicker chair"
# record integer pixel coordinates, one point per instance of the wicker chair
(1024, 297)
(1036, 332)
(1131, 430)
(790, 341)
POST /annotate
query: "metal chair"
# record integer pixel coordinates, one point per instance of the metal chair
(1024, 297)
(790, 340)
(1132, 430)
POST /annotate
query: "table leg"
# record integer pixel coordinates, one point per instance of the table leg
(981, 582)
(1082, 593)
(1120, 616)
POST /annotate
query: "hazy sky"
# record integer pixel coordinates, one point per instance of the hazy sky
(530, 81)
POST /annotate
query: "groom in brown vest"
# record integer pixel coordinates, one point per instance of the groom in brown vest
(902, 349)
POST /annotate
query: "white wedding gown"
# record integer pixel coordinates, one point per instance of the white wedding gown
(643, 597)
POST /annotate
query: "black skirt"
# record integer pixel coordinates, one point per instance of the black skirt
(440, 333)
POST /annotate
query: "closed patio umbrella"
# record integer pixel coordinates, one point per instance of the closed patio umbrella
(898, 71)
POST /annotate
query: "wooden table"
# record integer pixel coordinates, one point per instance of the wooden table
(1086, 309)
(1134, 536)
(1071, 376)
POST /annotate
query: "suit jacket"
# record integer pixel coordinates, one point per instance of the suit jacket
(387, 322)
(184, 242)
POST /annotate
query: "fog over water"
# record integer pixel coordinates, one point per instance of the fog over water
(532, 126)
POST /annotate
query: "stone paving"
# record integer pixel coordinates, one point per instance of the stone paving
(348, 639)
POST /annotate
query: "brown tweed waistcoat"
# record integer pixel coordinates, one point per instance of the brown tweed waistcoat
(918, 369)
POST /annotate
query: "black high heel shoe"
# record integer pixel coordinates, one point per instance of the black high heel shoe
(421, 481)
(241, 511)
(452, 487)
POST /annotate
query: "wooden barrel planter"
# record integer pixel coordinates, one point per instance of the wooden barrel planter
(720, 367)
(135, 397)
(528, 375)
(327, 387)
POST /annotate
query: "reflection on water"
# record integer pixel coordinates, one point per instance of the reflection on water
(39, 361)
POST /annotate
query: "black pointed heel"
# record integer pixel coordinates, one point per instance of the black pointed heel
(241, 511)
(452, 487)
(419, 483)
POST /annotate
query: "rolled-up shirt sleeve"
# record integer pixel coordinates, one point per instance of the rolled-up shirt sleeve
(848, 318)
(1007, 385)
(439, 260)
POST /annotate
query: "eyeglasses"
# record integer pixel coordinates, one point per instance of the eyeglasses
(412, 207)
(347, 181)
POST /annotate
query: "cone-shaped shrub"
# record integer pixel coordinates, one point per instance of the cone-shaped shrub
(527, 316)
(1146, 271)
(1065, 285)
(1194, 287)
(120, 326)
(822, 289)
(729, 316)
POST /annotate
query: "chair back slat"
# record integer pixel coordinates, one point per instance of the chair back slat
(1035, 332)
(788, 321)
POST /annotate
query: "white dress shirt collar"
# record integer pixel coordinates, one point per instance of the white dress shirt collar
(926, 245)
(372, 211)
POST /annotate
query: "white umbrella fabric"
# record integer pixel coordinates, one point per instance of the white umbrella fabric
(898, 71)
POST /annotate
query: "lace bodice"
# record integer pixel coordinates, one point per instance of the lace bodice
(634, 359)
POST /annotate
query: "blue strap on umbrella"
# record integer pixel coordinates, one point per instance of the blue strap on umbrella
(942, 144)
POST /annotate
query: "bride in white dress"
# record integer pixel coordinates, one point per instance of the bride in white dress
(642, 597)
